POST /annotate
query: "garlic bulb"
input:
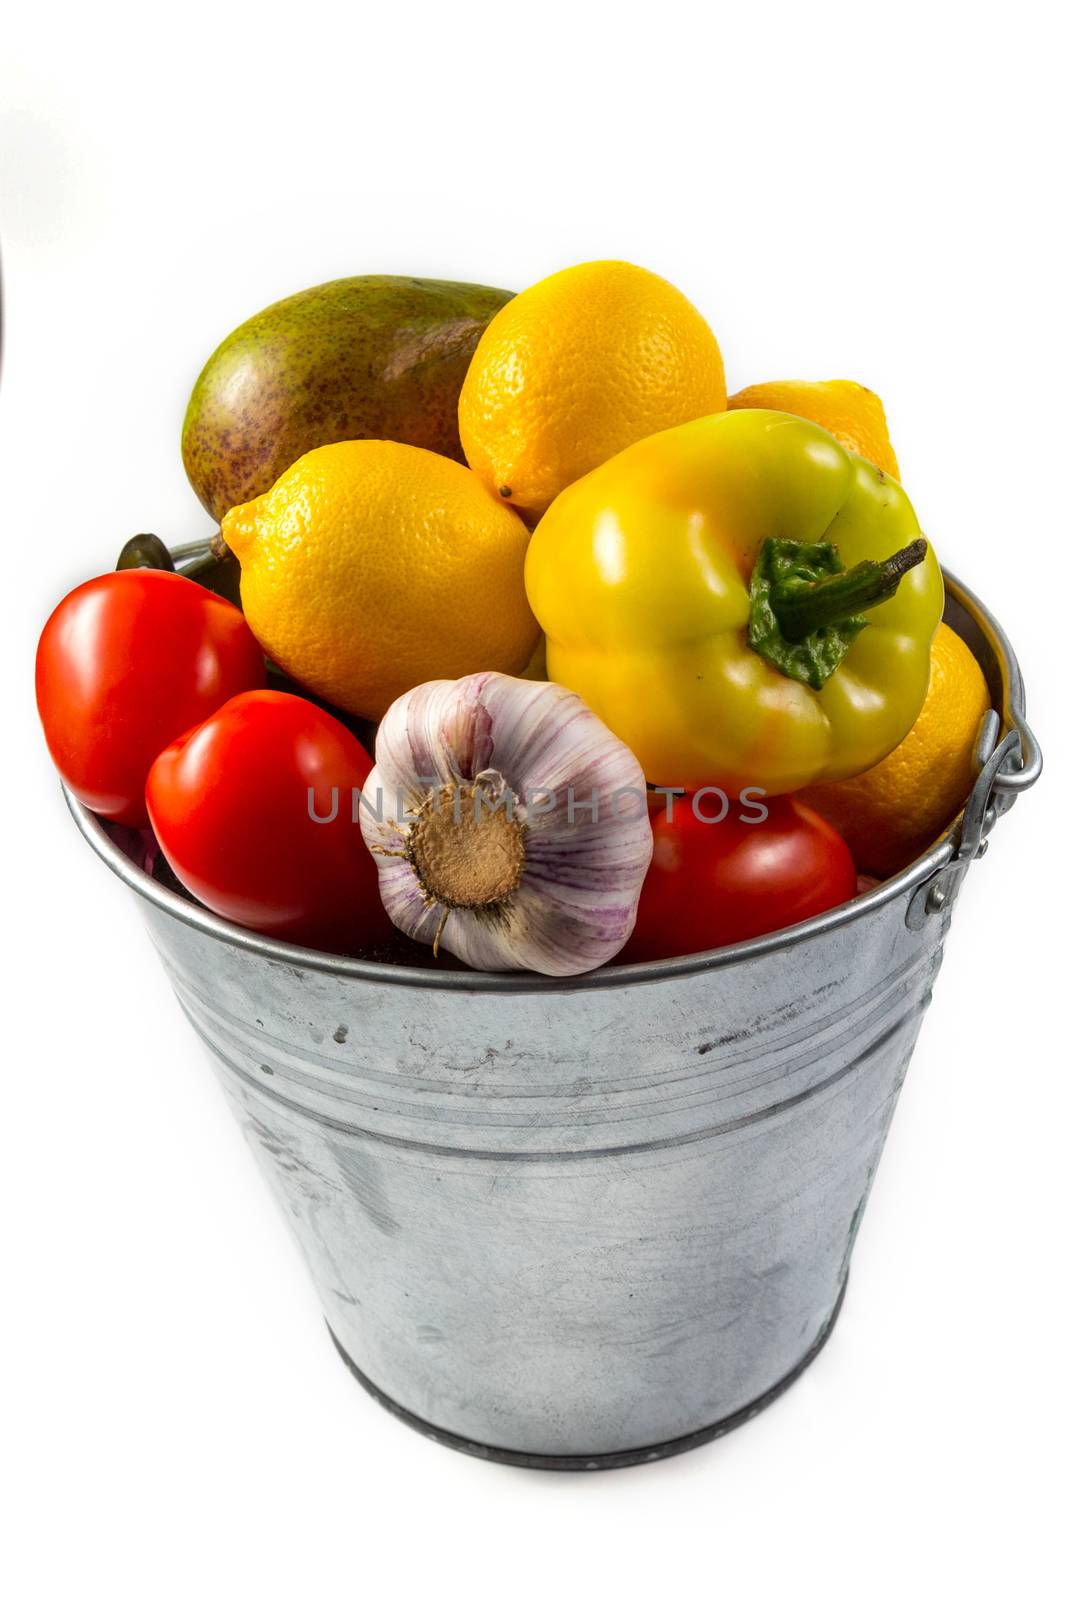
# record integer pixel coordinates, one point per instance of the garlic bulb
(509, 825)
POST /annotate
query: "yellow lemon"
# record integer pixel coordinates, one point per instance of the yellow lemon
(371, 567)
(578, 367)
(889, 814)
(853, 414)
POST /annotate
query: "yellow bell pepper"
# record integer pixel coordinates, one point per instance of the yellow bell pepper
(706, 593)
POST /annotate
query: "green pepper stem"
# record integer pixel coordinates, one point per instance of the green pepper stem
(801, 608)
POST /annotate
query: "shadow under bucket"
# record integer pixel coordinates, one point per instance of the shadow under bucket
(586, 1223)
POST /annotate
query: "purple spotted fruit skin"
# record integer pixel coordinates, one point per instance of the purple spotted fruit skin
(359, 358)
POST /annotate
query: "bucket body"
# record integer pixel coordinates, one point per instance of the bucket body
(585, 1222)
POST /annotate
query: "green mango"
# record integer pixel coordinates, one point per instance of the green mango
(359, 358)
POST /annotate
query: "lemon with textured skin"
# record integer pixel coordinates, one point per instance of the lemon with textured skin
(576, 368)
(891, 813)
(854, 415)
(372, 566)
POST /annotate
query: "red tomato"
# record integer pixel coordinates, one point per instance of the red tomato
(714, 883)
(127, 662)
(230, 805)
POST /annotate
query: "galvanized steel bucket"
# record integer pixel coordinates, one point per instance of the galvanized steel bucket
(587, 1223)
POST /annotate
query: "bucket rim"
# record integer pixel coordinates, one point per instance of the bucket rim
(1009, 694)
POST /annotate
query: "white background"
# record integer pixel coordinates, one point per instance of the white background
(870, 192)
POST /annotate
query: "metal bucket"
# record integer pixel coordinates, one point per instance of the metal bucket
(587, 1223)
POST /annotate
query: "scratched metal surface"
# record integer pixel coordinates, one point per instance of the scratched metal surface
(581, 1226)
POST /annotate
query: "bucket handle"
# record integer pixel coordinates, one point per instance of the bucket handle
(1022, 765)
(1005, 767)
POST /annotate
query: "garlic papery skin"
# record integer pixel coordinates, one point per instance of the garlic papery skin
(480, 814)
